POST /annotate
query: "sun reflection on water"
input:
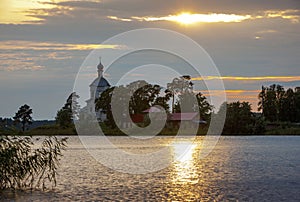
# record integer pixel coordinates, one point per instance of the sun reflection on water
(184, 163)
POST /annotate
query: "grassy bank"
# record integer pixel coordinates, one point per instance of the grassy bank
(51, 130)
(283, 131)
(47, 130)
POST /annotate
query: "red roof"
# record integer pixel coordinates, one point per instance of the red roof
(137, 118)
(183, 116)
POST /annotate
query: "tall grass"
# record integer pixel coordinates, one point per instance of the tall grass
(22, 165)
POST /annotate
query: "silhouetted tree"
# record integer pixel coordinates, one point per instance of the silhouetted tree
(270, 99)
(143, 98)
(104, 103)
(163, 101)
(287, 107)
(297, 103)
(191, 102)
(186, 102)
(69, 111)
(239, 119)
(140, 94)
(23, 116)
(179, 86)
(205, 108)
(280, 105)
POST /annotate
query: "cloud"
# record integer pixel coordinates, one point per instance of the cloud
(32, 45)
(19, 61)
(49, 61)
(292, 15)
(268, 31)
(192, 18)
(160, 8)
(188, 18)
(45, 11)
(119, 19)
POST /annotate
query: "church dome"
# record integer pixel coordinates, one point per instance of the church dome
(100, 82)
(103, 82)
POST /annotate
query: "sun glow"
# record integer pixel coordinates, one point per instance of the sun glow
(19, 11)
(189, 18)
(185, 18)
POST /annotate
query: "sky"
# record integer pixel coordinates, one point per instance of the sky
(44, 43)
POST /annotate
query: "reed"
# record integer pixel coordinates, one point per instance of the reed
(23, 165)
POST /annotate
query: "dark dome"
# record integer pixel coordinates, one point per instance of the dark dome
(103, 82)
(100, 83)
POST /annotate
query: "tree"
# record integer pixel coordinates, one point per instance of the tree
(66, 115)
(143, 98)
(270, 99)
(205, 108)
(280, 105)
(287, 107)
(163, 102)
(179, 86)
(73, 105)
(23, 116)
(191, 102)
(140, 94)
(186, 103)
(297, 104)
(239, 119)
(104, 103)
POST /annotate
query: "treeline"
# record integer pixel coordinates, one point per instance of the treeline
(240, 120)
(278, 104)
(280, 111)
(278, 107)
(142, 96)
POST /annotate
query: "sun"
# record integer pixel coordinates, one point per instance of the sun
(186, 18)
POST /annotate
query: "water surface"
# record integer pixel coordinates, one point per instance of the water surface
(239, 168)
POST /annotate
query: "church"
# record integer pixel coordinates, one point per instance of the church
(99, 85)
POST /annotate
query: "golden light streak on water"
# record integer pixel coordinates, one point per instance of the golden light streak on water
(184, 160)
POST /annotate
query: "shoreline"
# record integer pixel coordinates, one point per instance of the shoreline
(166, 135)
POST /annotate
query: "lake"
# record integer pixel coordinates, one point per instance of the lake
(239, 168)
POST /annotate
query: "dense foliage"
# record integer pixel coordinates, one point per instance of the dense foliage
(24, 166)
(278, 104)
(142, 96)
(240, 119)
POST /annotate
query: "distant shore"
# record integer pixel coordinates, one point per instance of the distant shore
(55, 130)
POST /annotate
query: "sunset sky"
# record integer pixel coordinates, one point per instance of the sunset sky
(44, 42)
